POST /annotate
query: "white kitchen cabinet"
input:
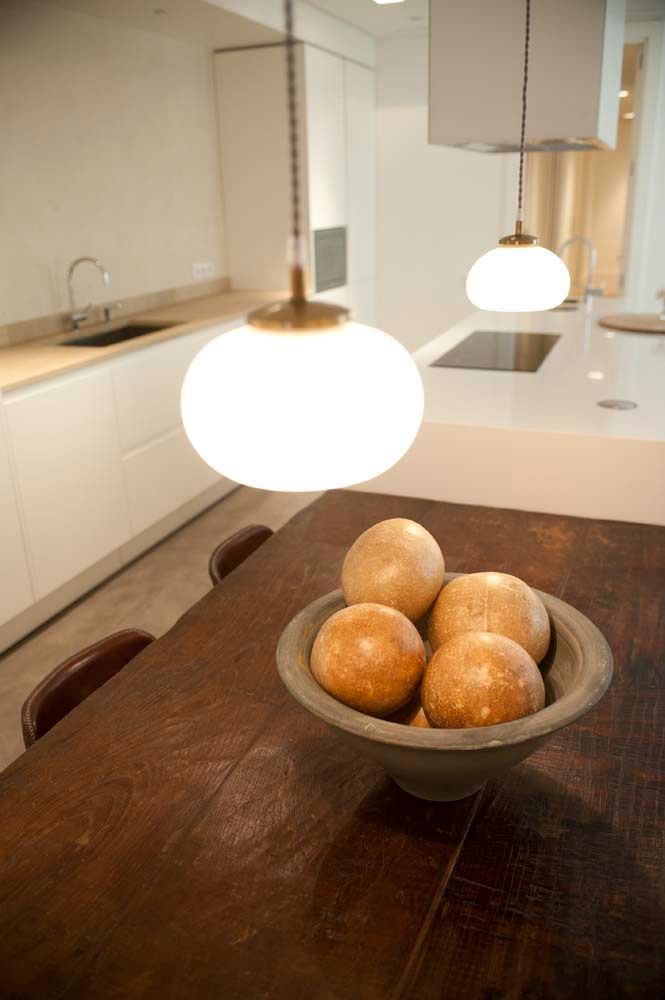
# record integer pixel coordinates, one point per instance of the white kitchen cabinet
(326, 139)
(361, 300)
(360, 172)
(161, 470)
(254, 153)
(68, 475)
(337, 139)
(162, 476)
(335, 296)
(95, 467)
(147, 384)
(15, 587)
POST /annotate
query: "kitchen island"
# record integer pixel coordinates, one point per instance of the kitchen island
(539, 440)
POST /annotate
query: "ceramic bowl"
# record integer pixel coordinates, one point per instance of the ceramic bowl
(448, 764)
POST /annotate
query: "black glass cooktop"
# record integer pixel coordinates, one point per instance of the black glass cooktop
(499, 351)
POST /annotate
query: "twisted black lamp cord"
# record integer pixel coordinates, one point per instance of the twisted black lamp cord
(293, 119)
(523, 130)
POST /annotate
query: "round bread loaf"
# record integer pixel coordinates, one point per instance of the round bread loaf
(491, 602)
(396, 563)
(369, 657)
(480, 679)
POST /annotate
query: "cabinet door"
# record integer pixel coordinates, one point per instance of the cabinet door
(362, 302)
(326, 140)
(336, 296)
(69, 476)
(15, 587)
(359, 298)
(254, 153)
(147, 385)
(360, 171)
(162, 476)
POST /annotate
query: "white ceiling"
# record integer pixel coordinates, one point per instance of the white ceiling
(190, 20)
(380, 20)
(412, 16)
(209, 25)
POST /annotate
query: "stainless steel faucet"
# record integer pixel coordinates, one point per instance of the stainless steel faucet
(79, 315)
(593, 260)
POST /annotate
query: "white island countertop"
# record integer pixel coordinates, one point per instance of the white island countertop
(538, 440)
(589, 363)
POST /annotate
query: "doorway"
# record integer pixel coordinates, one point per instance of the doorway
(590, 194)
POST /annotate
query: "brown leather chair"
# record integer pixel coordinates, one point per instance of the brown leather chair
(235, 549)
(71, 683)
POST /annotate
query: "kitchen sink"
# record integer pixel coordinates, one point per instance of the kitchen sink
(128, 331)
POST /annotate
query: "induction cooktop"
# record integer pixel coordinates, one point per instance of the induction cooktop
(499, 351)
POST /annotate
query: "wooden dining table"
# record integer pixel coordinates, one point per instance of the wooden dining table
(190, 831)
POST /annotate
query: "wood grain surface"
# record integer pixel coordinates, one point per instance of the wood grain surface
(634, 322)
(206, 837)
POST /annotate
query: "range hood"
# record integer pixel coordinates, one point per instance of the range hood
(476, 54)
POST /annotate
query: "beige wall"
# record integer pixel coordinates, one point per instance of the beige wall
(108, 147)
(438, 209)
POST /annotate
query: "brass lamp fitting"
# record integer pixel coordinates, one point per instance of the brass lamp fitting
(518, 238)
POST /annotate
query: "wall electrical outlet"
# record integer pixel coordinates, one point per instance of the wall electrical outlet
(203, 269)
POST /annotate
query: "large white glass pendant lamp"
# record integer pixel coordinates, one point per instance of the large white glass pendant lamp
(518, 275)
(300, 397)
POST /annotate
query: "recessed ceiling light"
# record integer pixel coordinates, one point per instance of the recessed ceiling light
(596, 376)
(624, 93)
(381, 2)
(628, 115)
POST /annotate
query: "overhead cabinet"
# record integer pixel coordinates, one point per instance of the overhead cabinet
(336, 168)
(325, 149)
(360, 171)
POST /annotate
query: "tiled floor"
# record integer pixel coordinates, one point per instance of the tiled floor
(151, 594)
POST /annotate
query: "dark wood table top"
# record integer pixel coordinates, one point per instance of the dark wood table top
(190, 831)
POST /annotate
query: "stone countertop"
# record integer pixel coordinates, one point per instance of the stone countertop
(588, 364)
(24, 364)
(538, 441)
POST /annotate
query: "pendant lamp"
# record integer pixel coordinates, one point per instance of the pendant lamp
(518, 275)
(300, 397)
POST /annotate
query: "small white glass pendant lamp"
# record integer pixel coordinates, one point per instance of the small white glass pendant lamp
(300, 397)
(518, 275)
